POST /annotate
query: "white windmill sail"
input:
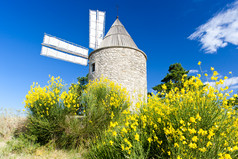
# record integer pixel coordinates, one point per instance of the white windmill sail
(61, 49)
(96, 28)
(49, 52)
(64, 50)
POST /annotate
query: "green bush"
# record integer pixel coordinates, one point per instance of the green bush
(194, 122)
(53, 113)
(104, 101)
(20, 145)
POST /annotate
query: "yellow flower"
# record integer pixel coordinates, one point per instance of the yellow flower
(212, 68)
(150, 140)
(193, 145)
(192, 131)
(114, 133)
(113, 124)
(179, 157)
(122, 147)
(198, 117)
(159, 120)
(137, 137)
(209, 143)
(111, 142)
(225, 77)
(199, 63)
(195, 139)
(124, 130)
(203, 149)
(202, 132)
(192, 119)
(181, 121)
(169, 153)
(164, 87)
(215, 73)
(206, 74)
(220, 154)
(227, 156)
(112, 115)
(176, 145)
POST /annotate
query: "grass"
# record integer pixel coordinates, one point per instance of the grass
(41, 153)
(11, 147)
(9, 122)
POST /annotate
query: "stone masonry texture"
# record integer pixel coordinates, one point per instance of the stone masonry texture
(123, 65)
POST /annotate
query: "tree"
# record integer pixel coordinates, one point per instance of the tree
(236, 103)
(173, 78)
(83, 81)
(233, 103)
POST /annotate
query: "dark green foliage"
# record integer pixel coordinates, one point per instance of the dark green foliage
(234, 103)
(83, 81)
(44, 129)
(103, 102)
(173, 78)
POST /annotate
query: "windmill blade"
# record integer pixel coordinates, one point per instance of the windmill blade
(50, 52)
(65, 46)
(96, 28)
(92, 28)
(64, 50)
(100, 27)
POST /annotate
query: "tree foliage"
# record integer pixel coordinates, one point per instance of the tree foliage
(83, 81)
(173, 78)
(234, 102)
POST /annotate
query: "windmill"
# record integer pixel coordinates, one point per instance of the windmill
(61, 49)
(115, 56)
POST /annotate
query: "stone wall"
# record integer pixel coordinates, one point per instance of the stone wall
(126, 66)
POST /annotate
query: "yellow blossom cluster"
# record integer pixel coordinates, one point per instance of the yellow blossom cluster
(40, 101)
(113, 97)
(71, 99)
(196, 121)
(44, 101)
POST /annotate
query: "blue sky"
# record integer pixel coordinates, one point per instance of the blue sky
(171, 31)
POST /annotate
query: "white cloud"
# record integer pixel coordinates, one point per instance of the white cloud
(219, 30)
(230, 82)
(234, 87)
(193, 71)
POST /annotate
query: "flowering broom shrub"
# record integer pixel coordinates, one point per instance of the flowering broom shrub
(71, 99)
(194, 122)
(48, 109)
(103, 101)
(51, 111)
(49, 100)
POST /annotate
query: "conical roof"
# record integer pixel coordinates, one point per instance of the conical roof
(118, 36)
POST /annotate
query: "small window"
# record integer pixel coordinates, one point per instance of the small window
(93, 67)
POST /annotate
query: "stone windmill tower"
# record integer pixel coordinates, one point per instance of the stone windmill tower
(119, 59)
(115, 56)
